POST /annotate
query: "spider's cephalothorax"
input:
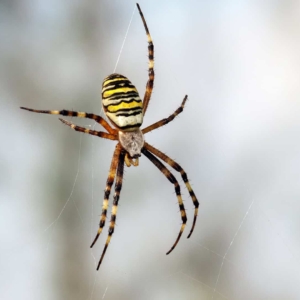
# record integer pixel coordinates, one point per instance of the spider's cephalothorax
(125, 110)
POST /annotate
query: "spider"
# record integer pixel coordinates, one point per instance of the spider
(125, 110)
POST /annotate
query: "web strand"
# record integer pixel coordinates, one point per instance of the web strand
(121, 50)
(224, 257)
(124, 41)
(104, 293)
(201, 282)
(69, 198)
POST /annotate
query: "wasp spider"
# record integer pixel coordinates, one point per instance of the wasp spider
(125, 110)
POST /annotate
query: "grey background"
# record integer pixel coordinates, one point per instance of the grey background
(238, 140)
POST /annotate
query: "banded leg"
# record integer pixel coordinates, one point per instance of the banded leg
(109, 183)
(149, 86)
(178, 168)
(118, 187)
(173, 180)
(70, 113)
(89, 131)
(166, 120)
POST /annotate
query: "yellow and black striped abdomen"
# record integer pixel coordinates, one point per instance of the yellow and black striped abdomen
(122, 103)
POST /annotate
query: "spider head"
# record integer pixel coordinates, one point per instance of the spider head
(132, 142)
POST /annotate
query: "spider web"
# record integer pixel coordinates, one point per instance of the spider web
(243, 162)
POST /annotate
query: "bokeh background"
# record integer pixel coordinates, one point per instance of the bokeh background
(238, 140)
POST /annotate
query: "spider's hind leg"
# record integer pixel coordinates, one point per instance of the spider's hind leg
(78, 114)
(166, 120)
(101, 134)
(173, 180)
(149, 86)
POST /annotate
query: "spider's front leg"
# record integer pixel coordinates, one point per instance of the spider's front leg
(173, 180)
(184, 177)
(109, 183)
(118, 187)
(171, 162)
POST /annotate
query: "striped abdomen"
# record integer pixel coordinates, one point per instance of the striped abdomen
(122, 103)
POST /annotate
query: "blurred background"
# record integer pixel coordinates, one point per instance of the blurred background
(237, 139)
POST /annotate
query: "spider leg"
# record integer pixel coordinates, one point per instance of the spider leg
(118, 187)
(70, 113)
(89, 131)
(109, 183)
(149, 86)
(166, 120)
(173, 180)
(178, 168)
